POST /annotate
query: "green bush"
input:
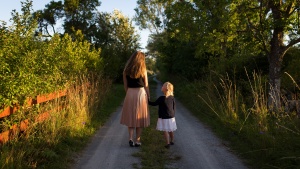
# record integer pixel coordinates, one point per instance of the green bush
(32, 65)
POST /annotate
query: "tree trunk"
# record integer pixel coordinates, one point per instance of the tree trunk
(275, 62)
(275, 58)
(274, 80)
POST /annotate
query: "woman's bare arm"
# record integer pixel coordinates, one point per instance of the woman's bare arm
(125, 82)
(146, 84)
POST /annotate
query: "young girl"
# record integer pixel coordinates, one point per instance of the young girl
(166, 113)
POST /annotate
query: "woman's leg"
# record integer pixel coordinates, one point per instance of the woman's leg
(138, 134)
(130, 131)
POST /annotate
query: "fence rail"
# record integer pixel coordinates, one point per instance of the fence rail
(23, 125)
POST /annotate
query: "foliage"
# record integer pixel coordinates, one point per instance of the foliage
(75, 14)
(48, 18)
(80, 15)
(262, 138)
(121, 43)
(113, 33)
(31, 65)
(150, 14)
(151, 67)
(290, 66)
(219, 35)
(269, 23)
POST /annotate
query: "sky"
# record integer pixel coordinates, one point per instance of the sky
(125, 6)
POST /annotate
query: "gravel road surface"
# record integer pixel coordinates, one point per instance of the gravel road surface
(109, 149)
(195, 144)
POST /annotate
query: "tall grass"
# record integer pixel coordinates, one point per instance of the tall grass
(50, 143)
(264, 139)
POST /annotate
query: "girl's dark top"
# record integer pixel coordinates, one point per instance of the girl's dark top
(166, 106)
(134, 83)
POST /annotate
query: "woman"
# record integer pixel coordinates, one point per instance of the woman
(135, 112)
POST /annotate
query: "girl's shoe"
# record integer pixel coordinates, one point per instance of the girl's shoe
(137, 144)
(167, 146)
(171, 143)
(131, 144)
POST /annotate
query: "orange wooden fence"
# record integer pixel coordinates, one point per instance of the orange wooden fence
(23, 125)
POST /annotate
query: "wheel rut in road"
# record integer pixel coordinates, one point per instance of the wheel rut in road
(195, 144)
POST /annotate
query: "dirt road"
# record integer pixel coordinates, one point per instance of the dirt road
(197, 146)
(109, 149)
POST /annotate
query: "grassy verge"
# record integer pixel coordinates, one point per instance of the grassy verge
(153, 154)
(112, 101)
(262, 138)
(53, 142)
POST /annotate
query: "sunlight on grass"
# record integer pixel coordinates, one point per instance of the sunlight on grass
(263, 138)
(51, 142)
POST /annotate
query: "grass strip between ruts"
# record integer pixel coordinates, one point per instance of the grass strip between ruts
(153, 154)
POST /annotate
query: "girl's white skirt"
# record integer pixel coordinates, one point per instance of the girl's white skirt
(166, 124)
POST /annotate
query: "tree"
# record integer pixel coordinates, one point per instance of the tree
(30, 66)
(270, 22)
(80, 15)
(150, 14)
(121, 41)
(113, 33)
(75, 14)
(222, 29)
(49, 17)
(191, 32)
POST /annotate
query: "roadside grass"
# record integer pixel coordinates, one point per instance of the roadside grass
(152, 153)
(54, 142)
(261, 138)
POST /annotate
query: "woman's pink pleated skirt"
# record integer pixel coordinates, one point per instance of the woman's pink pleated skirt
(135, 111)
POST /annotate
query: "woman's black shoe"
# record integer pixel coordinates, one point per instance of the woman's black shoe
(131, 143)
(138, 144)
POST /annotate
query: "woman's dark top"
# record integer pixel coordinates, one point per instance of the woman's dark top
(134, 83)
(166, 106)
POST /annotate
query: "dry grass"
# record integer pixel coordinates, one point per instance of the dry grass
(265, 139)
(49, 143)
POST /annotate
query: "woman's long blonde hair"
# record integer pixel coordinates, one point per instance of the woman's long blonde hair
(135, 66)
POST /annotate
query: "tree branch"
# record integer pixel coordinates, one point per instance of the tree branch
(46, 29)
(258, 37)
(293, 42)
(288, 9)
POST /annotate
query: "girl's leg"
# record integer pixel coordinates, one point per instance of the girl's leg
(138, 134)
(171, 136)
(166, 134)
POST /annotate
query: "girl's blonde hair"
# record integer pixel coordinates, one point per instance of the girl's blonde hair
(170, 88)
(135, 66)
